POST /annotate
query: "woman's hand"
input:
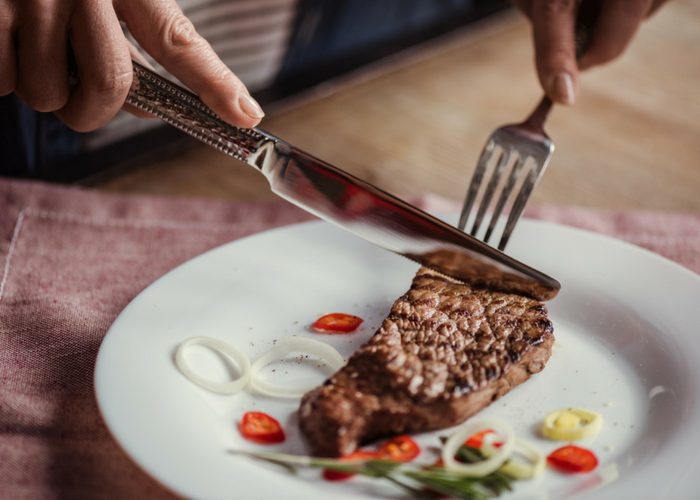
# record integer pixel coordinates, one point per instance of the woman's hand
(553, 30)
(34, 40)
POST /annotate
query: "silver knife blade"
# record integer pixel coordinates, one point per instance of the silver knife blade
(341, 198)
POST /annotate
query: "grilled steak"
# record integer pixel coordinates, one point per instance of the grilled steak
(482, 275)
(445, 351)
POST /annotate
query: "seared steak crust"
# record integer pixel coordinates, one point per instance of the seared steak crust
(444, 352)
(483, 275)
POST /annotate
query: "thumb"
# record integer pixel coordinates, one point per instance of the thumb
(555, 49)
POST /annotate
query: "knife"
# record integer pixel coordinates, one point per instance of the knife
(340, 198)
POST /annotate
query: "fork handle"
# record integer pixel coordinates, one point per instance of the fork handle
(535, 121)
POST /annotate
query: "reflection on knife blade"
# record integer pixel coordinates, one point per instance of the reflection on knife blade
(340, 198)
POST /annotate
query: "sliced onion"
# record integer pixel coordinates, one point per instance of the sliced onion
(284, 347)
(588, 425)
(231, 387)
(519, 470)
(492, 462)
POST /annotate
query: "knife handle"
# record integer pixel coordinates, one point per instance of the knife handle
(183, 110)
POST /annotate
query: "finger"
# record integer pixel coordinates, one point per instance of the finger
(164, 32)
(138, 57)
(8, 53)
(103, 67)
(617, 23)
(42, 42)
(555, 51)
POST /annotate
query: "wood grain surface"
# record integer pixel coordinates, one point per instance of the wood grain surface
(417, 122)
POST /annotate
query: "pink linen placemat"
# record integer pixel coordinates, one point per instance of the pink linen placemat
(72, 259)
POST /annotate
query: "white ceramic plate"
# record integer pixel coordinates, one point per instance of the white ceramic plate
(627, 324)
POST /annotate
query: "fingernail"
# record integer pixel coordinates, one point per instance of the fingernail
(250, 106)
(562, 88)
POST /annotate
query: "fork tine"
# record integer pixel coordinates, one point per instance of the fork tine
(475, 183)
(505, 193)
(490, 188)
(518, 207)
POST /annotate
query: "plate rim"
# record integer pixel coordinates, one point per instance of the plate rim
(586, 233)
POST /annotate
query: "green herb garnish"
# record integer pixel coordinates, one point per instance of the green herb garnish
(420, 481)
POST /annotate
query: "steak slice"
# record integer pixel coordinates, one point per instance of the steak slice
(445, 351)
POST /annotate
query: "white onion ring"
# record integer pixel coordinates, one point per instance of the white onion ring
(492, 462)
(323, 351)
(525, 471)
(221, 347)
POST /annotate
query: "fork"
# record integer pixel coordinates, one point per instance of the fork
(522, 152)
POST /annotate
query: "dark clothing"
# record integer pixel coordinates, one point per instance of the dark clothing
(325, 40)
(32, 143)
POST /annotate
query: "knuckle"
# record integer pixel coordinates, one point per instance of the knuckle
(177, 32)
(113, 84)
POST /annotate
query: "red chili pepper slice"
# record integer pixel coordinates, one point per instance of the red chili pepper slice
(261, 428)
(572, 458)
(336, 475)
(477, 440)
(400, 449)
(336, 323)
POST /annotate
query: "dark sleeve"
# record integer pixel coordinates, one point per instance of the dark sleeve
(31, 143)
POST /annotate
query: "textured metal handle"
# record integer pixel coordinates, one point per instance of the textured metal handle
(182, 109)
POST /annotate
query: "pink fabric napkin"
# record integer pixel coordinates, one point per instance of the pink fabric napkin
(71, 260)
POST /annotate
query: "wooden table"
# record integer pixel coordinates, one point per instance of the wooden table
(417, 123)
